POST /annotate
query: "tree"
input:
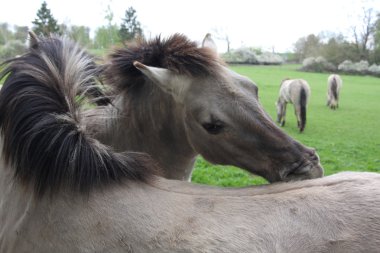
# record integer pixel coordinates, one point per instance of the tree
(45, 24)
(5, 33)
(337, 50)
(376, 52)
(130, 28)
(107, 35)
(21, 33)
(362, 35)
(80, 34)
(307, 47)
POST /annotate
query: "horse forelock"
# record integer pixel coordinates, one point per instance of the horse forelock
(176, 53)
(40, 122)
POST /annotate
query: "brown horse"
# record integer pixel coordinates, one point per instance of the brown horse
(296, 92)
(334, 84)
(175, 100)
(63, 191)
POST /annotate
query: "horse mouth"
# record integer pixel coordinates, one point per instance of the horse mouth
(303, 170)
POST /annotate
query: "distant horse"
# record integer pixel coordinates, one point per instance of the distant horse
(63, 191)
(334, 84)
(175, 100)
(296, 92)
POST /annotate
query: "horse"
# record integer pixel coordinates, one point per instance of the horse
(334, 84)
(175, 100)
(296, 92)
(61, 190)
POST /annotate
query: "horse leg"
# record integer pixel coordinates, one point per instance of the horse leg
(297, 112)
(283, 115)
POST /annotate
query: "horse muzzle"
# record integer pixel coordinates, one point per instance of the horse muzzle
(309, 168)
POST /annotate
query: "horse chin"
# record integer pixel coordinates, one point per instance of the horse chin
(308, 171)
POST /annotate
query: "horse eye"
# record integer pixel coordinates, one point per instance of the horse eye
(213, 127)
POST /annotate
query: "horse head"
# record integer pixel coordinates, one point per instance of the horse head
(221, 114)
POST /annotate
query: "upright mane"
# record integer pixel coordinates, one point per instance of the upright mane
(40, 122)
(176, 53)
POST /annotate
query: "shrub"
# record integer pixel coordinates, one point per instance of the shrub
(12, 49)
(354, 68)
(319, 64)
(241, 55)
(252, 56)
(270, 59)
(374, 70)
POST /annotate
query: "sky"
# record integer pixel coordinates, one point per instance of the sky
(272, 25)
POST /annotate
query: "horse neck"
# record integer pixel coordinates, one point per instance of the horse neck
(15, 204)
(149, 121)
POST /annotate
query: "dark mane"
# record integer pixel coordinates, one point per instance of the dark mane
(176, 53)
(40, 122)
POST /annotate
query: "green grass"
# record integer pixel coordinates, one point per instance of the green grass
(345, 139)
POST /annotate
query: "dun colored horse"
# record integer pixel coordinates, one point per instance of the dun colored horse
(334, 84)
(296, 92)
(63, 191)
(175, 100)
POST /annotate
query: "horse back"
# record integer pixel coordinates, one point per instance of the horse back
(334, 83)
(291, 91)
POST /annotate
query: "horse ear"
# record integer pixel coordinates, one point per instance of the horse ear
(208, 42)
(166, 80)
(33, 40)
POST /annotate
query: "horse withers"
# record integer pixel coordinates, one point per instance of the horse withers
(296, 92)
(334, 84)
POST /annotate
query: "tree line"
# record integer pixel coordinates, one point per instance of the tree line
(12, 41)
(362, 44)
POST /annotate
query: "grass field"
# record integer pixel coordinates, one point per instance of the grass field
(345, 139)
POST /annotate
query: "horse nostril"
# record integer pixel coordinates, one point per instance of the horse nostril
(311, 152)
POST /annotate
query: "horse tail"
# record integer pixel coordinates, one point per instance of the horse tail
(333, 93)
(303, 103)
(334, 88)
(40, 122)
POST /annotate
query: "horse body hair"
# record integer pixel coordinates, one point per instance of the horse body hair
(296, 92)
(40, 122)
(334, 82)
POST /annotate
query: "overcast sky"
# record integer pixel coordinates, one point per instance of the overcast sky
(265, 24)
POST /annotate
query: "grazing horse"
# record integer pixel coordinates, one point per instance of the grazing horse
(175, 100)
(63, 191)
(334, 84)
(296, 92)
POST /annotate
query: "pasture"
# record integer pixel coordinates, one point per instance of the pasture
(345, 139)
